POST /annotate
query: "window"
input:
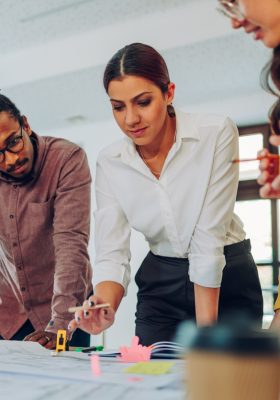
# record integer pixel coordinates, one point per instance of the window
(260, 216)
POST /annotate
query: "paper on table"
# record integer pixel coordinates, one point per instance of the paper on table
(24, 388)
(150, 368)
(31, 360)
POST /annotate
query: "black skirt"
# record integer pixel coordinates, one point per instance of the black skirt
(166, 295)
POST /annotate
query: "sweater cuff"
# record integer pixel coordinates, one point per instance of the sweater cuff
(110, 271)
(58, 323)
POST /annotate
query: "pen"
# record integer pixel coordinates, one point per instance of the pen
(92, 348)
(271, 156)
(73, 309)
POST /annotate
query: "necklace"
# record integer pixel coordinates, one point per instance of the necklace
(154, 172)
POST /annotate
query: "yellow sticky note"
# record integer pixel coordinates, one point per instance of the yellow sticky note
(150, 368)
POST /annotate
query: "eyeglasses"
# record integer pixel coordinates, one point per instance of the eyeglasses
(231, 9)
(14, 146)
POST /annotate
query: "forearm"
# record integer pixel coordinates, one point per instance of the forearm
(110, 292)
(275, 324)
(206, 304)
(71, 286)
(71, 225)
(277, 303)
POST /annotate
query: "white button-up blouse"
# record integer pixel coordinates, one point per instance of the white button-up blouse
(188, 212)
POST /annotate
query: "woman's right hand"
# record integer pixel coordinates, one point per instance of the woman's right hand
(268, 179)
(93, 321)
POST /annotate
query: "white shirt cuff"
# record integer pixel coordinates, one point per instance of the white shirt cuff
(206, 270)
(110, 271)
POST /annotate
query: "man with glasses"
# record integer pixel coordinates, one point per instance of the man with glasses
(44, 231)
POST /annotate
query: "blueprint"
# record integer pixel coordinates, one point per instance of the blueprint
(30, 372)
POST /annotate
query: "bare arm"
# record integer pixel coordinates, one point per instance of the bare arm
(110, 292)
(206, 255)
(206, 304)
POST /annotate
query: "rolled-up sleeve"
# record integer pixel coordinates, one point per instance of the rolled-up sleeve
(206, 253)
(112, 236)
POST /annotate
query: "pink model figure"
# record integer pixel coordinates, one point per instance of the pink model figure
(136, 352)
(95, 365)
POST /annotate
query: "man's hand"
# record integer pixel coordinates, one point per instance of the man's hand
(45, 338)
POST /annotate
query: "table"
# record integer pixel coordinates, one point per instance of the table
(29, 372)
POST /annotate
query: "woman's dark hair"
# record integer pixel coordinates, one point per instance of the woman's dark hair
(138, 59)
(274, 116)
(8, 106)
(271, 73)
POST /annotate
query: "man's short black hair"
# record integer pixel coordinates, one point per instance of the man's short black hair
(8, 106)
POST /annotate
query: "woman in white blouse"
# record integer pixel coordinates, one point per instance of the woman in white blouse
(172, 179)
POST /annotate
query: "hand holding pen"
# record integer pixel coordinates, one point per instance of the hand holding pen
(93, 317)
(269, 177)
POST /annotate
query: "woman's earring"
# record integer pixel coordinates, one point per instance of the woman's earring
(171, 111)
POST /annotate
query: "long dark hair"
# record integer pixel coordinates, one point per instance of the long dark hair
(139, 59)
(271, 73)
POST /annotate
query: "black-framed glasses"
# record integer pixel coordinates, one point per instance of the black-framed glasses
(231, 9)
(15, 145)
